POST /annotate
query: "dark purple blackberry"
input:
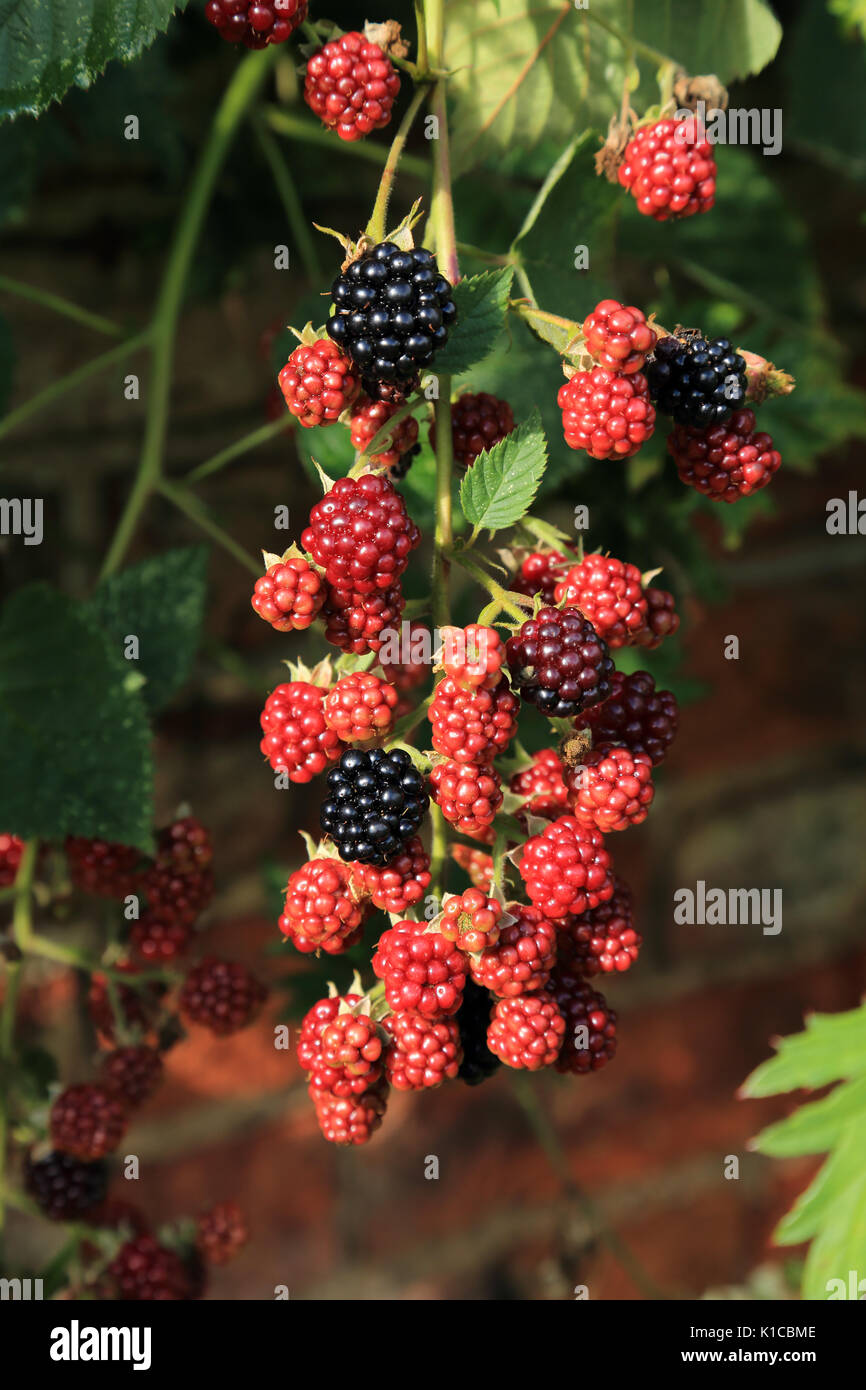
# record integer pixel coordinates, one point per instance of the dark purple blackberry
(392, 310)
(559, 663)
(472, 1020)
(376, 802)
(398, 470)
(697, 382)
(64, 1187)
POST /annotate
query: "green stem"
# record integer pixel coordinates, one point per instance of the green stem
(438, 851)
(298, 128)
(189, 504)
(378, 218)
(421, 32)
(443, 537)
(506, 604)
(442, 202)
(68, 383)
(241, 446)
(244, 86)
(285, 186)
(59, 305)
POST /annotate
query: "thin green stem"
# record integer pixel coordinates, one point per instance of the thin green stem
(438, 851)
(298, 128)
(467, 249)
(442, 202)
(378, 219)
(241, 446)
(189, 504)
(506, 603)
(443, 537)
(421, 32)
(68, 383)
(59, 305)
(243, 88)
(285, 186)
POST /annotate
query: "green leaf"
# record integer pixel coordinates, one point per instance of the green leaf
(47, 46)
(831, 1047)
(77, 756)
(482, 302)
(815, 1128)
(161, 602)
(528, 76)
(499, 487)
(831, 1185)
(840, 1245)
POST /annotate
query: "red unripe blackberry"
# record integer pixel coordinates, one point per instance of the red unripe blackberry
(559, 662)
(221, 995)
(669, 169)
(318, 383)
(609, 593)
(143, 1271)
(635, 714)
(727, 461)
(467, 795)
(11, 849)
(173, 899)
(523, 957)
(478, 421)
(63, 1187)
(602, 939)
(222, 1232)
(401, 884)
(472, 656)
(566, 869)
(297, 740)
(607, 414)
(324, 906)
(423, 1052)
(368, 417)
(95, 866)
(618, 338)
(357, 622)
(184, 846)
(612, 788)
(542, 782)
(662, 619)
(138, 1007)
(351, 1044)
(156, 942)
(476, 864)
(526, 1031)
(361, 534)
(472, 726)
(539, 573)
(346, 1120)
(473, 1020)
(133, 1072)
(471, 920)
(322, 1076)
(590, 1025)
(360, 708)
(422, 970)
(290, 595)
(351, 85)
(87, 1121)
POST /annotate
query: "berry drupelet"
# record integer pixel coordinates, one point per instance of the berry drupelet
(669, 169)
(376, 802)
(256, 23)
(559, 663)
(351, 85)
(697, 382)
(392, 311)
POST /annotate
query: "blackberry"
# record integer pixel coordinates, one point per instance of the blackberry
(697, 382)
(559, 663)
(377, 802)
(473, 1019)
(64, 1187)
(392, 310)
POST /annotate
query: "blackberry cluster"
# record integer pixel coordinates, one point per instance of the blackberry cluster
(473, 1019)
(697, 382)
(392, 310)
(64, 1187)
(559, 663)
(376, 802)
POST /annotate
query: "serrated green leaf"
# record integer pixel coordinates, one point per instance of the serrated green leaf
(500, 486)
(47, 46)
(830, 1187)
(528, 76)
(815, 1128)
(161, 602)
(831, 1047)
(76, 741)
(839, 1249)
(482, 302)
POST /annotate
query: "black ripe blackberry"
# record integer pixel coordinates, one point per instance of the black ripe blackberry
(392, 310)
(64, 1187)
(559, 663)
(376, 802)
(472, 1020)
(398, 470)
(697, 382)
